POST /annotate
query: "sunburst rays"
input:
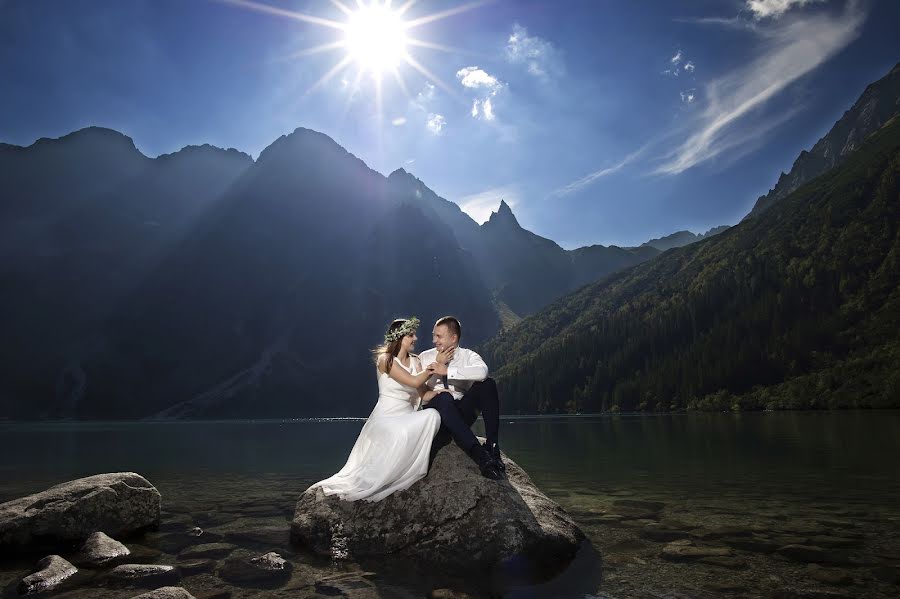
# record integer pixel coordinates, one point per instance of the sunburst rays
(362, 50)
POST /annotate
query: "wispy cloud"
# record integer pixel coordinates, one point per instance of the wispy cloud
(585, 181)
(422, 105)
(738, 22)
(764, 9)
(400, 120)
(480, 205)
(436, 123)
(540, 57)
(678, 64)
(793, 49)
(687, 96)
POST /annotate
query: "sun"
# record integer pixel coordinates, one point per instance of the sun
(374, 35)
(375, 38)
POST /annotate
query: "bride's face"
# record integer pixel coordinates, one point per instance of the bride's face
(409, 342)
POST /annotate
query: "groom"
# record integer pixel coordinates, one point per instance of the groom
(467, 390)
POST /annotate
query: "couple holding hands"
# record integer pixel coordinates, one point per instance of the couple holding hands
(423, 401)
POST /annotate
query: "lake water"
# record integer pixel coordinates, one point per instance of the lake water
(749, 488)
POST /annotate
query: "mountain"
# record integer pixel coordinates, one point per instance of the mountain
(879, 103)
(681, 239)
(204, 284)
(524, 271)
(796, 308)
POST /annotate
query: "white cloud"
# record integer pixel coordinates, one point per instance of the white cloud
(793, 49)
(688, 96)
(475, 78)
(689, 66)
(676, 59)
(487, 86)
(487, 109)
(400, 120)
(480, 205)
(436, 123)
(483, 109)
(583, 182)
(763, 9)
(540, 57)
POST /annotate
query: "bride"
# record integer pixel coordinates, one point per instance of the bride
(393, 447)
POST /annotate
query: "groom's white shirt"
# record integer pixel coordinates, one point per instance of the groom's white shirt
(465, 368)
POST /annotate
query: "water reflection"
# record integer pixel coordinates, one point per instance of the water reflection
(776, 478)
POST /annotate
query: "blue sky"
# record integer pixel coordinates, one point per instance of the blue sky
(598, 122)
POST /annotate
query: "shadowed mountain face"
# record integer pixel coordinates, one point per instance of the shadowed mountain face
(204, 284)
(798, 308)
(681, 239)
(879, 103)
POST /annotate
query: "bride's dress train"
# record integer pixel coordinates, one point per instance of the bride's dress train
(393, 447)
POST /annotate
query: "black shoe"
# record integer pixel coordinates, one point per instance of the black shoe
(494, 450)
(486, 463)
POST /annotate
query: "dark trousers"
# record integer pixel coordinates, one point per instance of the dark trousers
(457, 416)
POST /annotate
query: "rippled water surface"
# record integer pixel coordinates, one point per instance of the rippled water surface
(701, 505)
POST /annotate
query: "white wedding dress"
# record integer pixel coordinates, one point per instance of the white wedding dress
(393, 447)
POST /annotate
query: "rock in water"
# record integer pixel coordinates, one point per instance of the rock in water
(166, 593)
(117, 503)
(100, 549)
(453, 516)
(52, 571)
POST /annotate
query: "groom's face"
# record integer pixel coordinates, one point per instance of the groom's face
(443, 338)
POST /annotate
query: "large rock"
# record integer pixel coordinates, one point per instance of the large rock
(118, 503)
(453, 516)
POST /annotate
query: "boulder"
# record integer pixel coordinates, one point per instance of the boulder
(118, 503)
(453, 516)
(52, 572)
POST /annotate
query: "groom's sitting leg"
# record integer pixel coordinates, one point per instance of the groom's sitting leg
(482, 396)
(452, 419)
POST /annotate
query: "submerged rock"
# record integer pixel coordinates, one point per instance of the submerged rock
(453, 516)
(142, 575)
(118, 503)
(270, 568)
(100, 549)
(52, 571)
(166, 593)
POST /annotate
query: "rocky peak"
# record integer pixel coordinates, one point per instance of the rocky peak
(503, 216)
(879, 103)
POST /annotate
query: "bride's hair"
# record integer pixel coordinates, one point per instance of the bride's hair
(389, 349)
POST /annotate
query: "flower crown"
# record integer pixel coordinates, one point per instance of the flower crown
(404, 329)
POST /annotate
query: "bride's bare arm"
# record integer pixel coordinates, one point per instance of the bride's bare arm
(399, 374)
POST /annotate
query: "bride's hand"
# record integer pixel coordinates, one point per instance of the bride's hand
(445, 356)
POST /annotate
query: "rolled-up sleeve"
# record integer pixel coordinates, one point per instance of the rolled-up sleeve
(472, 368)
